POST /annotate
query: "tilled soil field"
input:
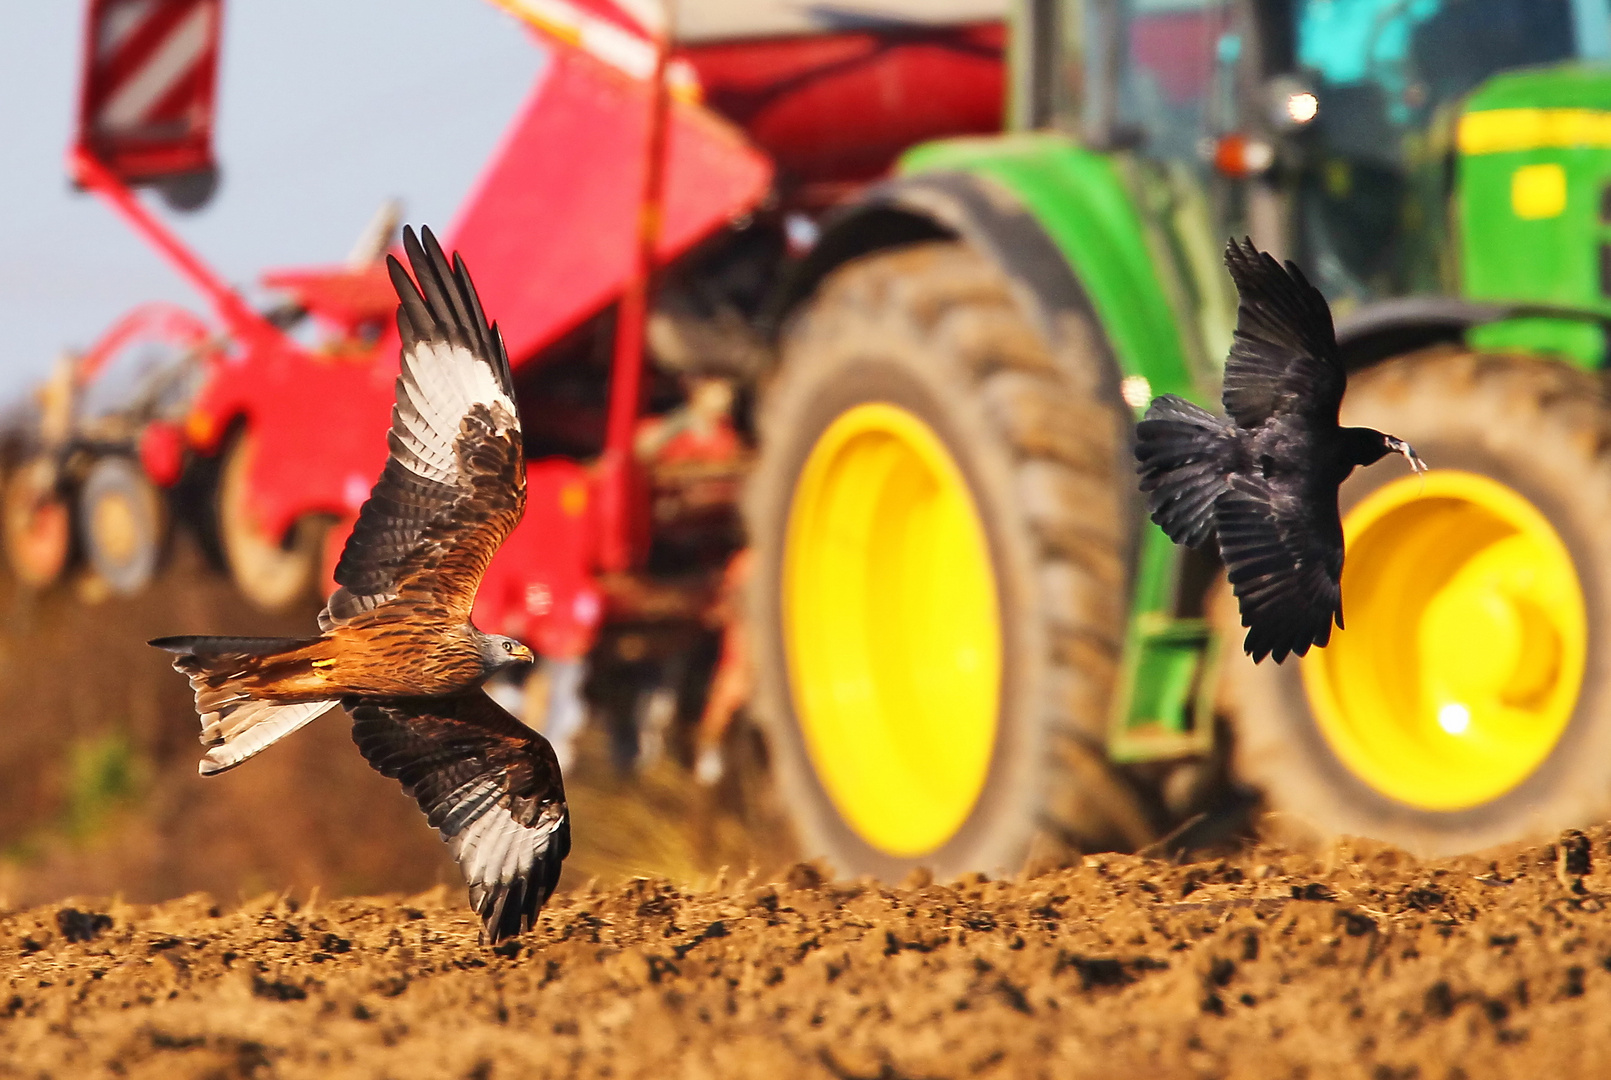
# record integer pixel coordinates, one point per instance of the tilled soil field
(1355, 961)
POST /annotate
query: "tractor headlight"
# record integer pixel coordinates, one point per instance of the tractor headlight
(1293, 104)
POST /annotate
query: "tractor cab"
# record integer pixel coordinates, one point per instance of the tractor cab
(1372, 197)
(1376, 141)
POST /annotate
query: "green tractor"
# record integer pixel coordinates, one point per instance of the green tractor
(971, 645)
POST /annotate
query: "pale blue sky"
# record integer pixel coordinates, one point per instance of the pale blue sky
(326, 107)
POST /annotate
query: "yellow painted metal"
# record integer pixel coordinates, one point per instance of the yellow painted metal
(1498, 131)
(892, 629)
(115, 525)
(1538, 191)
(1465, 647)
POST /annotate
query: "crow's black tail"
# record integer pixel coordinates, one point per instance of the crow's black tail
(1184, 454)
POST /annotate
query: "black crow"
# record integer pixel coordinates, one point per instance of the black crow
(1265, 480)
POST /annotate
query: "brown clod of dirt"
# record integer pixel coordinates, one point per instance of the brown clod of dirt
(78, 925)
(1357, 962)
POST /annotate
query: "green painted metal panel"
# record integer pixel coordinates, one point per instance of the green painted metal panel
(1534, 167)
(1562, 86)
(1165, 690)
(1578, 340)
(1082, 202)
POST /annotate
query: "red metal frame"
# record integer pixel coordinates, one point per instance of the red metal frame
(835, 110)
(154, 321)
(617, 552)
(604, 176)
(246, 324)
(346, 299)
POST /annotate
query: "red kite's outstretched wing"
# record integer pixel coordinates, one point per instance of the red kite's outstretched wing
(489, 784)
(454, 485)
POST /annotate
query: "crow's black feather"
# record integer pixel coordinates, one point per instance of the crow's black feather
(1265, 480)
(1186, 455)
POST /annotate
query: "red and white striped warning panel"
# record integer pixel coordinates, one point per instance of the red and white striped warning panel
(150, 71)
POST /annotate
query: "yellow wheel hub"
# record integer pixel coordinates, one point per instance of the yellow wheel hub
(1465, 646)
(116, 529)
(891, 629)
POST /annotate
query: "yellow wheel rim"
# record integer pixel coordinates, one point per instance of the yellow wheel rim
(117, 531)
(891, 629)
(1465, 646)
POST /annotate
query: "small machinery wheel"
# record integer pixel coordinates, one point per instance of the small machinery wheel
(272, 572)
(36, 524)
(123, 524)
(1468, 701)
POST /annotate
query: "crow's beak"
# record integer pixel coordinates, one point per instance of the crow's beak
(1399, 446)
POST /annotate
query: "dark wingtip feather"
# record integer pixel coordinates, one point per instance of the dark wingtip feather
(440, 300)
(413, 317)
(453, 287)
(490, 336)
(412, 248)
(435, 279)
(203, 645)
(1280, 292)
(508, 909)
(1277, 642)
(401, 282)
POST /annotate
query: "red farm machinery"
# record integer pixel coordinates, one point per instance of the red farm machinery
(628, 235)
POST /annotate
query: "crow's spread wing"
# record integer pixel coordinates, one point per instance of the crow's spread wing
(1185, 455)
(1284, 558)
(454, 485)
(1284, 358)
(490, 785)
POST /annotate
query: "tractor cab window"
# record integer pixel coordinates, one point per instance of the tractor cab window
(1176, 59)
(1389, 75)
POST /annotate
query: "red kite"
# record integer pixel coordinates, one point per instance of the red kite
(397, 648)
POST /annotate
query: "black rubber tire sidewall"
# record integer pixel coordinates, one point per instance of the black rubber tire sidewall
(29, 483)
(273, 577)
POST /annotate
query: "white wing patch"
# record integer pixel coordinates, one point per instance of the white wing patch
(247, 729)
(492, 848)
(440, 383)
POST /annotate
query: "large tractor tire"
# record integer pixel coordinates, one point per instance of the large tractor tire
(1468, 701)
(272, 572)
(36, 524)
(123, 524)
(942, 529)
